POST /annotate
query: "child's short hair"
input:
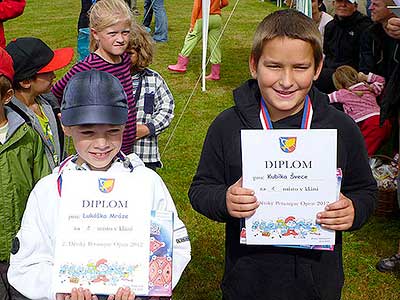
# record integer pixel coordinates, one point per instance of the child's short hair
(344, 77)
(288, 23)
(140, 41)
(5, 86)
(94, 97)
(106, 13)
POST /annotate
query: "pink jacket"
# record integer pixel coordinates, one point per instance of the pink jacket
(9, 9)
(360, 107)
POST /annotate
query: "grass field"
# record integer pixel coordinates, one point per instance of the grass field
(55, 22)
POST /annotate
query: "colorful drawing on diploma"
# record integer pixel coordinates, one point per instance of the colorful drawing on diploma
(288, 226)
(99, 272)
(160, 258)
(106, 185)
(287, 144)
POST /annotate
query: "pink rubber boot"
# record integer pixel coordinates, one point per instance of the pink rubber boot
(180, 65)
(215, 72)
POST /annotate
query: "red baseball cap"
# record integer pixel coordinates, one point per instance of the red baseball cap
(6, 65)
(32, 56)
(61, 58)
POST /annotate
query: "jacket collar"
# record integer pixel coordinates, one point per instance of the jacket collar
(247, 104)
(14, 122)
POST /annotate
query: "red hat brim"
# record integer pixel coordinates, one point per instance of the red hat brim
(62, 57)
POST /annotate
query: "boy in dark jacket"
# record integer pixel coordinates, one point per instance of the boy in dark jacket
(285, 59)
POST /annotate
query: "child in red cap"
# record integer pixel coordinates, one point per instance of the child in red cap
(22, 163)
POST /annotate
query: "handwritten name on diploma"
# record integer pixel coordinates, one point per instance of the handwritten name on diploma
(280, 176)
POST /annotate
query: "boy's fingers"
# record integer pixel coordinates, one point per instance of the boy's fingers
(238, 189)
(240, 202)
(243, 199)
(241, 215)
(244, 207)
(337, 223)
(87, 294)
(118, 295)
(342, 203)
(81, 294)
(340, 227)
(126, 293)
(243, 210)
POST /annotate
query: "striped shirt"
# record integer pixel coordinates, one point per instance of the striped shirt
(122, 72)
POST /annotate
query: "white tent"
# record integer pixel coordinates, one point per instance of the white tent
(205, 6)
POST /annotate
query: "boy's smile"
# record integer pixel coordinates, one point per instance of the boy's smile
(96, 145)
(285, 73)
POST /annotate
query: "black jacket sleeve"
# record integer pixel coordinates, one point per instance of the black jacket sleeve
(367, 61)
(207, 192)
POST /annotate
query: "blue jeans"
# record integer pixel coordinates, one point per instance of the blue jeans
(161, 20)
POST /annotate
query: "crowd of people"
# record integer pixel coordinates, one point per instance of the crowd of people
(345, 67)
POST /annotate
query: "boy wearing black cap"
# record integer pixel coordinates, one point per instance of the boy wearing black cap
(34, 64)
(94, 110)
(22, 164)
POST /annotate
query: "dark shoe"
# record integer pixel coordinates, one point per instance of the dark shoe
(388, 264)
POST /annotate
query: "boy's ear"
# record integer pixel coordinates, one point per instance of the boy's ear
(26, 83)
(318, 70)
(8, 96)
(253, 67)
(66, 129)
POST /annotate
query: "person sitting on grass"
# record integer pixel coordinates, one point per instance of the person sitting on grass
(358, 93)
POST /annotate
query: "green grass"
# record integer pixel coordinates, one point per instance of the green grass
(55, 23)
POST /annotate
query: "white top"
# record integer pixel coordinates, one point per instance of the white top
(31, 266)
(325, 19)
(3, 133)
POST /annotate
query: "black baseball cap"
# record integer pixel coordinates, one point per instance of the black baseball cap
(32, 56)
(94, 97)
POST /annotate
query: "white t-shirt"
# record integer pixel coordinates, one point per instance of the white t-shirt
(325, 19)
(3, 133)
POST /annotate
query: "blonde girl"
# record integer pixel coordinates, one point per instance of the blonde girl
(358, 93)
(110, 24)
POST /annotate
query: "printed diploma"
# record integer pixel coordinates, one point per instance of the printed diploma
(103, 233)
(293, 174)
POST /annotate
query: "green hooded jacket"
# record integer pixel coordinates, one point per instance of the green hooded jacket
(22, 164)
